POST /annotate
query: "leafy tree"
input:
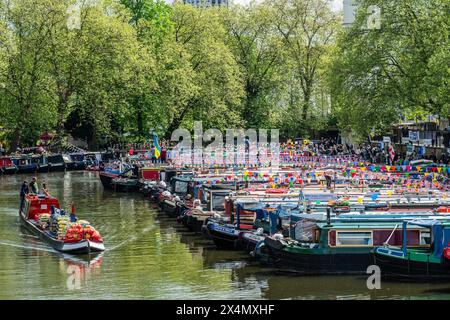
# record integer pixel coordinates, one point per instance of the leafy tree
(382, 75)
(307, 28)
(259, 53)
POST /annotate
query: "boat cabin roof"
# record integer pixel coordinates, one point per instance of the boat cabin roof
(39, 204)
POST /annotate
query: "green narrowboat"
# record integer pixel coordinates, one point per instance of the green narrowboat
(339, 246)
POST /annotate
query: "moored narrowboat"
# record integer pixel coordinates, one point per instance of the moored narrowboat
(124, 184)
(41, 162)
(337, 247)
(107, 176)
(56, 163)
(25, 165)
(7, 166)
(430, 263)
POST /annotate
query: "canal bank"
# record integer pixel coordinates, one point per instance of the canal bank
(150, 256)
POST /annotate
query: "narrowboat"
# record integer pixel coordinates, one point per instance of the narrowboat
(125, 184)
(75, 161)
(425, 264)
(7, 166)
(92, 161)
(56, 163)
(25, 165)
(225, 234)
(342, 246)
(42, 163)
(107, 176)
(210, 205)
(42, 216)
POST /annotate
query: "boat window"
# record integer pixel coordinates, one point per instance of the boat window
(425, 238)
(304, 230)
(218, 202)
(316, 235)
(352, 238)
(181, 187)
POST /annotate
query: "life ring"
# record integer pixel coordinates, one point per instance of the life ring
(277, 191)
(443, 209)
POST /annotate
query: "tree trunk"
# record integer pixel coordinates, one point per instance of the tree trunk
(17, 136)
(176, 122)
(306, 102)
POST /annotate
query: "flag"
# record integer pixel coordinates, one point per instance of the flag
(391, 153)
(157, 147)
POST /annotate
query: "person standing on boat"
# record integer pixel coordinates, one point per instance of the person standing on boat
(34, 189)
(24, 190)
(44, 189)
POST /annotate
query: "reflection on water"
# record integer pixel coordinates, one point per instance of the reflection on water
(150, 256)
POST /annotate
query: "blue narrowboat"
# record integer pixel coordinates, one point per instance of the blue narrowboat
(25, 165)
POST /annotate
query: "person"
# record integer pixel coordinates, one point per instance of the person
(44, 189)
(24, 190)
(33, 186)
(328, 177)
(73, 217)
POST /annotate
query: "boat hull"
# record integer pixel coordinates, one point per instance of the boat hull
(316, 262)
(131, 186)
(54, 167)
(106, 179)
(9, 170)
(76, 165)
(248, 241)
(43, 168)
(27, 169)
(223, 237)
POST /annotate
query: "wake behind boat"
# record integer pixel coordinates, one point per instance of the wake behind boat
(41, 214)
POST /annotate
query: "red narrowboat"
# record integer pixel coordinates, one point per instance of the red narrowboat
(7, 166)
(40, 212)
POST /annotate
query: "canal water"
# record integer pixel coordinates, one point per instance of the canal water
(150, 256)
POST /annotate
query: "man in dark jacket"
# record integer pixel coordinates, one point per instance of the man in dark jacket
(24, 190)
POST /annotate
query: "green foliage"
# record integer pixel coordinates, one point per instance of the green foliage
(133, 66)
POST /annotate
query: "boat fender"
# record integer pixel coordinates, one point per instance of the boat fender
(162, 184)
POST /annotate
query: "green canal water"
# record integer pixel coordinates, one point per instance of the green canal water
(150, 256)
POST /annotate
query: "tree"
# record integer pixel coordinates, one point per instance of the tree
(307, 28)
(26, 105)
(199, 78)
(259, 53)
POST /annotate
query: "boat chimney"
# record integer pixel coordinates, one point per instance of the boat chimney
(329, 216)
